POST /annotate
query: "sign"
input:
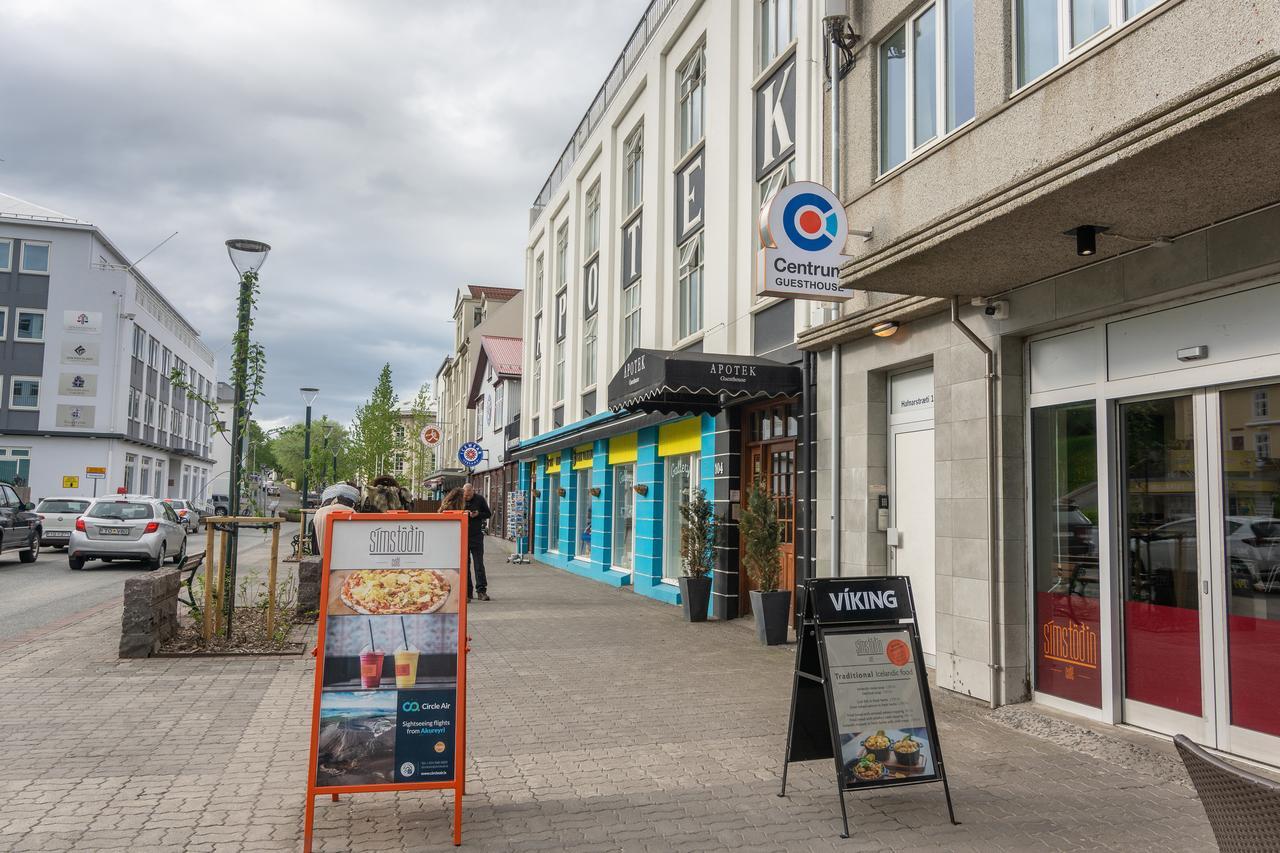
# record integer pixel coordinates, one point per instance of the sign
(591, 288)
(430, 435)
(775, 116)
(79, 353)
(471, 454)
(74, 417)
(70, 481)
(860, 696)
(82, 322)
(95, 473)
(632, 240)
(388, 710)
(562, 314)
(690, 186)
(802, 234)
(78, 384)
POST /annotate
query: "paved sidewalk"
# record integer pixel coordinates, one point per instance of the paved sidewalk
(598, 721)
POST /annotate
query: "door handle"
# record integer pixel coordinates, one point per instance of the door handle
(1205, 586)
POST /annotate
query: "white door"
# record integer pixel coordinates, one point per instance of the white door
(911, 508)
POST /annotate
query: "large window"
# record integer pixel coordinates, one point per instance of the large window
(630, 318)
(140, 343)
(15, 465)
(633, 170)
(29, 325)
(682, 479)
(538, 275)
(24, 392)
(4, 323)
(777, 28)
(591, 221)
(562, 256)
(624, 509)
(1049, 31)
(1064, 477)
(558, 377)
(589, 352)
(6, 255)
(35, 258)
(583, 527)
(689, 289)
(691, 94)
(926, 79)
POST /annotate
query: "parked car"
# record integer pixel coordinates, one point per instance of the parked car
(187, 512)
(58, 518)
(127, 527)
(19, 525)
(221, 504)
(273, 489)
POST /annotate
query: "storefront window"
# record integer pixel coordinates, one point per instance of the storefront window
(15, 465)
(1064, 474)
(130, 465)
(583, 527)
(553, 512)
(682, 479)
(624, 504)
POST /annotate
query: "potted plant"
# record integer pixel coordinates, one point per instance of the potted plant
(761, 535)
(697, 555)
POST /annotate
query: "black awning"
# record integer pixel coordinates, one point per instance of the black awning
(696, 382)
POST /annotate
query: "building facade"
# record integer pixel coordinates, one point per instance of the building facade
(87, 348)
(495, 402)
(640, 268)
(1051, 400)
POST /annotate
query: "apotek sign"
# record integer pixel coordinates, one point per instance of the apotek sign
(802, 234)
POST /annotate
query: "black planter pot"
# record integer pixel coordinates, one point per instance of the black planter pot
(695, 593)
(772, 612)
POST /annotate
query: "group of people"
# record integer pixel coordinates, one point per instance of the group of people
(384, 494)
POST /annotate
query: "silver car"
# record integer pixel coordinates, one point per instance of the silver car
(127, 527)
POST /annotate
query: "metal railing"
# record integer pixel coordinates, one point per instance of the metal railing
(626, 61)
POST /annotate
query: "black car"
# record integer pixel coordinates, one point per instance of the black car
(19, 525)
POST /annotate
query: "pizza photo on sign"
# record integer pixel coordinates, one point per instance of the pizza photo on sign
(388, 592)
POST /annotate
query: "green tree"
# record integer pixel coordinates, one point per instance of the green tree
(421, 459)
(260, 455)
(373, 430)
(327, 438)
(761, 536)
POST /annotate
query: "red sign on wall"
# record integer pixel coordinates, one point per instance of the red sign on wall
(1068, 642)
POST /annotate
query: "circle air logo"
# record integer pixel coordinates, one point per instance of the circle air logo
(810, 222)
(407, 768)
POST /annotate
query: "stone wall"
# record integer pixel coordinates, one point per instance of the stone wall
(150, 612)
(308, 588)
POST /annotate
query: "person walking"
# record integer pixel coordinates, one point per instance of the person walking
(477, 509)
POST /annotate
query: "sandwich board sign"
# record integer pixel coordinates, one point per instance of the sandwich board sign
(860, 696)
(389, 707)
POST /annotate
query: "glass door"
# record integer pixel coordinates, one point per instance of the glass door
(624, 503)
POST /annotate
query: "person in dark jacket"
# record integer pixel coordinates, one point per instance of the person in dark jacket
(477, 508)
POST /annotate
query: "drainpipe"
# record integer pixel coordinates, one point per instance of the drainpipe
(995, 665)
(835, 22)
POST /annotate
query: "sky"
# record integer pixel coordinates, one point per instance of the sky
(388, 151)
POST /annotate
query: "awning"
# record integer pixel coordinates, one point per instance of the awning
(601, 427)
(696, 382)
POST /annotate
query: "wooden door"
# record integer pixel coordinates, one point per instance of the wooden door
(774, 464)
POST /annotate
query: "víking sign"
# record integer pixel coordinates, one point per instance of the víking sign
(802, 234)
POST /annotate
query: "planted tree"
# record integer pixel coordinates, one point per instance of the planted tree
(761, 534)
(373, 430)
(697, 535)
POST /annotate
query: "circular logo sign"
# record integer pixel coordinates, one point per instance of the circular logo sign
(430, 435)
(470, 454)
(804, 219)
(407, 768)
(898, 653)
(440, 747)
(810, 222)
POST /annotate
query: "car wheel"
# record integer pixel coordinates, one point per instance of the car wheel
(157, 561)
(29, 554)
(181, 555)
(76, 563)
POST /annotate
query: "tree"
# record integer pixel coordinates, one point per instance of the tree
(697, 535)
(327, 438)
(761, 535)
(258, 449)
(373, 430)
(421, 459)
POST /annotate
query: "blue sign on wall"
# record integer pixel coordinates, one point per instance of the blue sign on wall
(470, 454)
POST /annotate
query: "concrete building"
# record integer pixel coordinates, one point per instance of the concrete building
(495, 402)
(1086, 192)
(414, 461)
(87, 346)
(640, 268)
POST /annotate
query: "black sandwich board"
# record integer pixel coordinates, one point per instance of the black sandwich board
(860, 695)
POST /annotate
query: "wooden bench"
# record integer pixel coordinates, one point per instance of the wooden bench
(190, 565)
(1243, 808)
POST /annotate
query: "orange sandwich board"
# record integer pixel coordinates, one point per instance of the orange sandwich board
(389, 710)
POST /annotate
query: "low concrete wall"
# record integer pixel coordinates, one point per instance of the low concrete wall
(150, 612)
(308, 588)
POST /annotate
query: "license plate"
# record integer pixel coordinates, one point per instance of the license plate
(57, 534)
(114, 531)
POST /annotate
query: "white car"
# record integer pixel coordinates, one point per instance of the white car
(187, 512)
(58, 518)
(127, 527)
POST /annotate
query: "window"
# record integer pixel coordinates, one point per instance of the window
(537, 282)
(777, 28)
(537, 360)
(633, 170)
(776, 180)
(689, 289)
(135, 403)
(29, 326)
(1262, 444)
(130, 471)
(1237, 442)
(15, 465)
(144, 480)
(583, 527)
(630, 318)
(558, 380)
(691, 92)
(149, 411)
(24, 392)
(926, 79)
(498, 394)
(682, 479)
(624, 506)
(562, 255)
(6, 255)
(140, 342)
(553, 512)
(4, 322)
(35, 258)
(591, 221)
(1261, 408)
(589, 352)
(162, 423)
(153, 353)
(164, 362)
(1049, 31)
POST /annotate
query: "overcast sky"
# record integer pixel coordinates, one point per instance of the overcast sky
(388, 151)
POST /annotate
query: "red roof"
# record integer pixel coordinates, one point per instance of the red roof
(499, 293)
(505, 354)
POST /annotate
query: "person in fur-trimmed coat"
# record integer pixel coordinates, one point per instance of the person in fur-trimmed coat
(385, 494)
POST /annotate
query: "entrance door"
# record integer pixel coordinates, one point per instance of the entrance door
(769, 457)
(911, 508)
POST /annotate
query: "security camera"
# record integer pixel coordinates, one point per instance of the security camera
(997, 309)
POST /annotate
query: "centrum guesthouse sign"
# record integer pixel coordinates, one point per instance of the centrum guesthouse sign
(802, 234)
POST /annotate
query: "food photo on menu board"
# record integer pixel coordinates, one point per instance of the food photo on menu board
(384, 592)
(384, 652)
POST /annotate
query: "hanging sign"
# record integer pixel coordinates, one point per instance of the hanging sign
(430, 435)
(802, 234)
(860, 696)
(471, 454)
(388, 712)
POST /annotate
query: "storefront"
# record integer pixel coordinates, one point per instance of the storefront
(607, 492)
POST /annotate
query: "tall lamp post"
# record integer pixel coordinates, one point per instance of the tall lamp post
(247, 256)
(308, 397)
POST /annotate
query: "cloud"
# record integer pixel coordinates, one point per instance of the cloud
(388, 151)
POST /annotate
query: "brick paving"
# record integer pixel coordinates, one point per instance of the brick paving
(598, 721)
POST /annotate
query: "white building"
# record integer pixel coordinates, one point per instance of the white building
(87, 345)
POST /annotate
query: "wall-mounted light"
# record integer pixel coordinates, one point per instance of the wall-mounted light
(886, 329)
(1086, 238)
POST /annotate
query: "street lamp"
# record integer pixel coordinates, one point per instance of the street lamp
(247, 256)
(308, 397)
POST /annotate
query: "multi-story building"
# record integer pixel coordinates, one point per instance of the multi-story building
(87, 346)
(1059, 373)
(474, 304)
(652, 366)
(495, 403)
(413, 461)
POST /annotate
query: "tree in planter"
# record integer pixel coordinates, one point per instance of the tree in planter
(698, 530)
(761, 534)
